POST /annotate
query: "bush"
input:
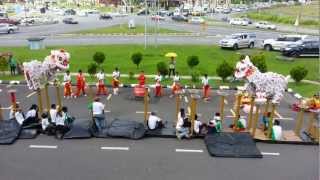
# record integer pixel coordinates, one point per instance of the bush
(259, 60)
(99, 57)
(193, 61)
(92, 69)
(195, 76)
(224, 70)
(298, 73)
(3, 64)
(136, 58)
(162, 67)
(131, 75)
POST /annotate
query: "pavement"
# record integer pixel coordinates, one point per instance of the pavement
(151, 158)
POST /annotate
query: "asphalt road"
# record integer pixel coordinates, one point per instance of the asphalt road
(151, 158)
(54, 33)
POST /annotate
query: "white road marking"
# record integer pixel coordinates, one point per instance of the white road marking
(190, 150)
(109, 97)
(229, 116)
(270, 154)
(43, 147)
(233, 113)
(142, 112)
(31, 94)
(107, 111)
(285, 119)
(115, 148)
(6, 108)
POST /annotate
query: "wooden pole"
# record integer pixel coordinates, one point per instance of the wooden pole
(310, 124)
(40, 102)
(178, 99)
(58, 95)
(299, 122)
(1, 116)
(145, 105)
(222, 109)
(256, 117)
(47, 96)
(237, 113)
(266, 108)
(271, 120)
(250, 121)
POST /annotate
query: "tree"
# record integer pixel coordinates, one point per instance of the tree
(259, 60)
(99, 58)
(298, 73)
(92, 69)
(162, 67)
(224, 70)
(3, 64)
(192, 61)
(136, 58)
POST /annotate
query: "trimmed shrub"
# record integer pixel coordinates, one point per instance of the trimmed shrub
(298, 73)
(224, 70)
(136, 58)
(259, 60)
(162, 67)
(99, 58)
(92, 69)
(193, 61)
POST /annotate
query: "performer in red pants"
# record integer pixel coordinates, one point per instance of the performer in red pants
(142, 78)
(158, 87)
(115, 81)
(81, 82)
(206, 87)
(100, 85)
(67, 85)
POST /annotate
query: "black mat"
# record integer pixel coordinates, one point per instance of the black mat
(98, 134)
(167, 132)
(28, 134)
(126, 129)
(9, 131)
(238, 145)
(78, 131)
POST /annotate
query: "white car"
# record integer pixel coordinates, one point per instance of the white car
(8, 28)
(238, 21)
(265, 25)
(196, 20)
(283, 41)
(238, 40)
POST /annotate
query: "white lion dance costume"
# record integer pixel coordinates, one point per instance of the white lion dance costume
(262, 85)
(37, 72)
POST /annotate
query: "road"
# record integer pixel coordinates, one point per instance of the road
(55, 33)
(150, 158)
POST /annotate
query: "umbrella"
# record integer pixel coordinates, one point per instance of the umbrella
(171, 54)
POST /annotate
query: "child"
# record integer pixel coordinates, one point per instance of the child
(154, 122)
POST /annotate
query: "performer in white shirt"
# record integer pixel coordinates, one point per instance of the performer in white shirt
(100, 85)
(176, 84)
(115, 81)
(67, 85)
(205, 86)
(158, 86)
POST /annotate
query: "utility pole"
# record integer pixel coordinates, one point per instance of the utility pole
(145, 24)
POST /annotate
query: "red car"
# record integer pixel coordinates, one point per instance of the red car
(8, 21)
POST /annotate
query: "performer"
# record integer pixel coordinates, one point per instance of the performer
(142, 79)
(115, 81)
(81, 82)
(176, 84)
(100, 85)
(67, 85)
(158, 88)
(206, 87)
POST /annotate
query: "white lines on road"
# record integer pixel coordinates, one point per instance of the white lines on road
(43, 147)
(115, 148)
(232, 112)
(107, 111)
(190, 150)
(270, 154)
(31, 94)
(109, 97)
(6, 108)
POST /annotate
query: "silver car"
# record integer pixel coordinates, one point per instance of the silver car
(8, 28)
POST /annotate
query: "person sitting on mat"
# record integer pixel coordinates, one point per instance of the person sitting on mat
(276, 131)
(18, 115)
(32, 115)
(53, 114)
(181, 116)
(47, 127)
(61, 127)
(199, 127)
(241, 124)
(68, 119)
(154, 122)
(183, 125)
(215, 124)
(98, 114)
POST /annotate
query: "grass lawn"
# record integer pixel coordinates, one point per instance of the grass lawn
(288, 14)
(123, 28)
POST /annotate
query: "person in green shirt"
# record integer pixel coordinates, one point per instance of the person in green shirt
(13, 65)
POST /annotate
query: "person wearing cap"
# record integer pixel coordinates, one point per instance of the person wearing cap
(100, 85)
(154, 122)
(98, 114)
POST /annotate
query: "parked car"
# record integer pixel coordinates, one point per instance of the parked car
(308, 48)
(282, 42)
(180, 18)
(70, 12)
(226, 11)
(70, 21)
(142, 12)
(248, 20)
(238, 21)
(105, 17)
(238, 40)
(196, 20)
(8, 28)
(157, 18)
(265, 25)
(9, 21)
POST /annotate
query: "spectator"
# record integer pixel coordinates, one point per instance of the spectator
(154, 122)
(183, 131)
(276, 131)
(53, 114)
(215, 125)
(45, 123)
(61, 128)
(172, 67)
(13, 65)
(98, 114)
(199, 127)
